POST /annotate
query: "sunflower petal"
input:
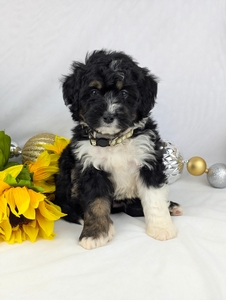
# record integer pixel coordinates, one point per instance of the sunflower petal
(49, 147)
(22, 199)
(50, 211)
(5, 230)
(61, 143)
(3, 186)
(30, 213)
(16, 236)
(46, 186)
(35, 198)
(31, 232)
(13, 171)
(3, 207)
(33, 223)
(55, 209)
(9, 195)
(43, 235)
(43, 160)
(44, 173)
(46, 225)
(58, 146)
(54, 158)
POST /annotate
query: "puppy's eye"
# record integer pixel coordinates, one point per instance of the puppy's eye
(124, 94)
(94, 92)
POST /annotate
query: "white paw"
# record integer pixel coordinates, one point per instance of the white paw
(92, 243)
(176, 211)
(162, 234)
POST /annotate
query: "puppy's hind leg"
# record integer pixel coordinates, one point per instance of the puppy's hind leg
(175, 209)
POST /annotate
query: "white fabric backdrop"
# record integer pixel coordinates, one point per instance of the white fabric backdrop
(184, 44)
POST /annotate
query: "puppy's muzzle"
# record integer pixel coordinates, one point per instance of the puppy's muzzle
(108, 117)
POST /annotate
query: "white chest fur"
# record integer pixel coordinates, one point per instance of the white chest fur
(122, 162)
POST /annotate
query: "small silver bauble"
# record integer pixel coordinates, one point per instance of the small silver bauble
(173, 161)
(14, 149)
(217, 175)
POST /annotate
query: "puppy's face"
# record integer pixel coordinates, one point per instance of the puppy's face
(109, 93)
(108, 100)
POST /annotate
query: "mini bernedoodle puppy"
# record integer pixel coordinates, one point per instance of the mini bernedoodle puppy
(115, 152)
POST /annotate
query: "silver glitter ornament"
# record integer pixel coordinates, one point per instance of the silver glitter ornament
(217, 175)
(173, 161)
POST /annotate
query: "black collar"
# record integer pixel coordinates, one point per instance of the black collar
(104, 142)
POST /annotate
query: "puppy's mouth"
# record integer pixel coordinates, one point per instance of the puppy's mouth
(103, 128)
(109, 129)
(108, 124)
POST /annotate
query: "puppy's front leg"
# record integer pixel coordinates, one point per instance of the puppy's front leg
(98, 227)
(159, 224)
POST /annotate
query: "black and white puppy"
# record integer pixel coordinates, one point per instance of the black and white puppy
(115, 152)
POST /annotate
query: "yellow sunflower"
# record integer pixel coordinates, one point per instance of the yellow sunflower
(25, 211)
(46, 165)
(26, 214)
(43, 171)
(58, 146)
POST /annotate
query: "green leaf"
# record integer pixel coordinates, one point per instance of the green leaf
(2, 160)
(5, 142)
(37, 188)
(10, 180)
(23, 179)
(22, 182)
(24, 174)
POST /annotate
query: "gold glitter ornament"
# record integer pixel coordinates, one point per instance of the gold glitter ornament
(196, 166)
(32, 148)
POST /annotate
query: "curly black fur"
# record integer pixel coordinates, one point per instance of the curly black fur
(108, 95)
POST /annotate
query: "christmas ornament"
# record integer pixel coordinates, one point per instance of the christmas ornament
(15, 150)
(173, 161)
(196, 166)
(33, 147)
(216, 174)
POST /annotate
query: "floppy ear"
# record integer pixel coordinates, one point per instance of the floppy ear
(148, 90)
(71, 87)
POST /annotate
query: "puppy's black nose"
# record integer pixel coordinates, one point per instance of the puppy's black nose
(108, 117)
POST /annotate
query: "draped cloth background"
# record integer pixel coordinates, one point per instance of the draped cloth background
(184, 44)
